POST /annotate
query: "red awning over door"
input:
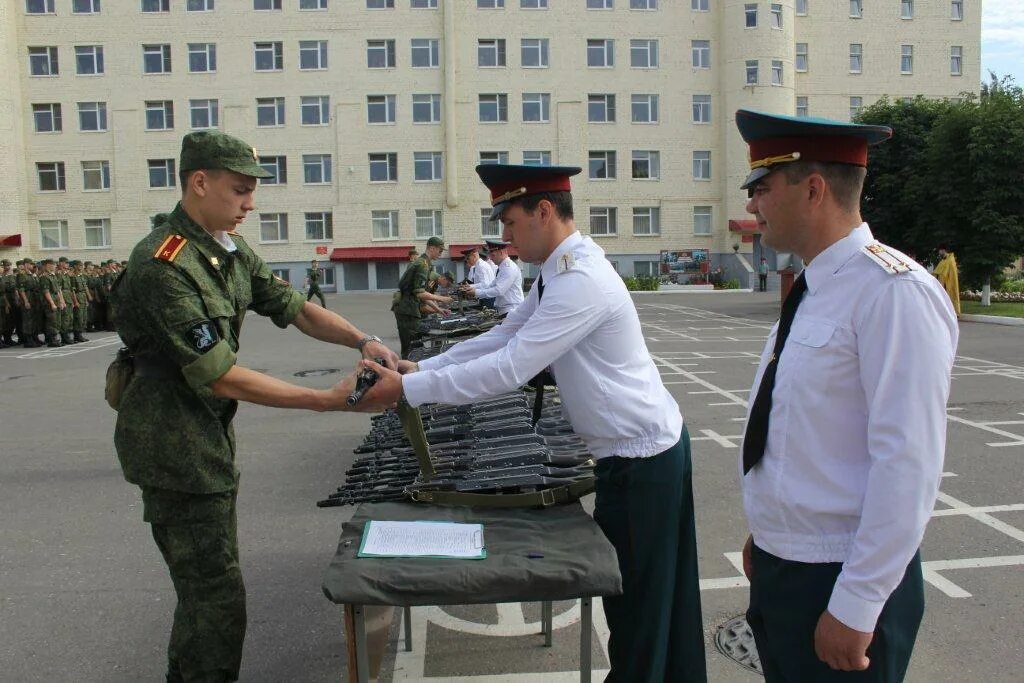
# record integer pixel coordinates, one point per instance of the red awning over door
(392, 254)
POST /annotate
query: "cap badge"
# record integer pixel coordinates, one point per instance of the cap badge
(771, 161)
(511, 194)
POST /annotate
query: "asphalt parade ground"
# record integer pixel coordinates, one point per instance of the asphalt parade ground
(84, 595)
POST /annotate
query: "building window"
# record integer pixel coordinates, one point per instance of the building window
(702, 165)
(534, 52)
(856, 9)
(426, 108)
(646, 220)
(269, 56)
(801, 57)
(53, 234)
(601, 52)
(269, 111)
(427, 166)
(316, 110)
(856, 104)
(42, 61)
(533, 4)
(956, 10)
(384, 167)
(536, 158)
(312, 55)
(47, 118)
(277, 167)
(426, 53)
(156, 5)
(700, 5)
(602, 165)
(493, 157)
(603, 221)
(380, 4)
(646, 268)
(776, 12)
(702, 108)
(489, 228)
(776, 72)
(312, 4)
(600, 4)
(92, 116)
(536, 107)
(490, 4)
(493, 108)
(645, 108)
(160, 115)
(316, 169)
(956, 60)
(266, 5)
(51, 176)
(380, 54)
(319, 226)
(752, 72)
(97, 233)
(601, 108)
(89, 60)
(384, 224)
(856, 58)
(199, 6)
(95, 175)
(156, 59)
(802, 109)
(161, 173)
(700, 54)
(490, 52)
(428, 223)
(39, 7)
(906, 9)
(423, 4)
(702, 220)
(273, 227)
(85, 6)
(202, 57)
(801, 8)
(646, 165)
(906, 59)
(204, 113)
(643, 54)
(380, 108)
(643, 4)
(750, 15)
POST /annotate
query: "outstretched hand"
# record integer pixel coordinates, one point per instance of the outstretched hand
(384, 393)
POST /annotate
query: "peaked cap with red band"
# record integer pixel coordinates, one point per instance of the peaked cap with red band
(509, 181)
(776, 139)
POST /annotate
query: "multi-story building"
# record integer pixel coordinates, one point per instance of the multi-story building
(373, 113)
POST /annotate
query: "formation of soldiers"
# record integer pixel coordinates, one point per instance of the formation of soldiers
(61, 299)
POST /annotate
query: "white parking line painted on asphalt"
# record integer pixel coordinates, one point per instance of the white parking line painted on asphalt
(46, 353)
(1016, 439)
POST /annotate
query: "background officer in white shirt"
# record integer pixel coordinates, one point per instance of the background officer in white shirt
(580, 320)
(844, 443)
(507, 287)
(480, 272)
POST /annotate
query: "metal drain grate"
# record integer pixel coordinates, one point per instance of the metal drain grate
(735, 640)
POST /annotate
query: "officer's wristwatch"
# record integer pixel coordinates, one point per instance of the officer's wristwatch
(367, 339)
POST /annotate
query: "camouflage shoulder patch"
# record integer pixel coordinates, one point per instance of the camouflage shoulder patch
(890, 261)
(170, 248)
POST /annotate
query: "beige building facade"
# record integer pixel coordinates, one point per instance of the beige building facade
(373, 113)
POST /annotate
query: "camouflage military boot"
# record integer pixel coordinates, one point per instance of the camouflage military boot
(80, 338)
(53, 342)
(65, 337)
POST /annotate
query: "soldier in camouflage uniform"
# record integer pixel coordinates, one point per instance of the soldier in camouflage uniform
(180, 305)
(53, 302)
(6, 307)
(71, 301)
(80, 287)
(27, 288)
(412, 289)
(313, 276)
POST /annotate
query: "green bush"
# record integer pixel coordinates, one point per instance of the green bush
(642, 283)
(731, 284)
(1013, 286)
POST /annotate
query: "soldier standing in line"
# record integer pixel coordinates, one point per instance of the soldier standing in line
(28, 289)
(53, 303)
(412, 291)
(313, 276)
(6, 313)
(81, 292)
(70, 300)
(109, 275)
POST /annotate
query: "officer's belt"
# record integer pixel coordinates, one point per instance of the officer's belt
(150, 366)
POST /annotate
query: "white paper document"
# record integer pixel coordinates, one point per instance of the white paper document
(423, 539)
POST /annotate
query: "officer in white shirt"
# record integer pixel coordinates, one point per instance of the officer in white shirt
(580, 321)
(844, 443)
(480, 272)
(507, 287)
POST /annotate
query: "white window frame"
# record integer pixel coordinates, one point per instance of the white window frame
(956, 10)
(161, 52)
(386, 104)
(605, 100)
(48, 111)
(380, 48)
(167, 168)
(434, 104)
(318, 104)
(63, 239)
(800, 8)
(380, 4)
(491, 53)
(278, 222)
(702, 165)
(856, 104)
(647, 50)
(643, 5)
(432, 163)
(206, 53)
(700, 54)
(322, 164)
(701, 109)
(652, 159)
(100, 170)
(94, 55)
(777, 72)
(431, 47)
(856, 9)
(600, 5)
(162, 108)
(802, 58)
(208, 108)
(906, 9)
(423, 4)
(956, 60)
(489, 228)
(533, 4)
(270, 5)
(161, 6)
(493, 157)
(750, 15)
(99, 110)
(500, 104)
(47, 7)
(752, 75)
(313, 55)
(704, 214)
(775, 15)
(538, 157)
(906, 60)
(274, 49)
(542, 102)
(55, 174)
(653, 215)
(277, 166)
(325, 221)
(432, 220)
(90, 226)
(386, 160)
(609, 215)
(603, 51)
(856, 58)
(535, 51)
(607, 169)
(646, 102)
(384, 224)
(265, 104)
(199, 6)
(490, 4)
(803, 107)
(45, 56)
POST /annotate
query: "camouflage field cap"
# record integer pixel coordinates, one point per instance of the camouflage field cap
(449, 275)
(4, 262)
(211, 149)
(435, 242)
(62, 259)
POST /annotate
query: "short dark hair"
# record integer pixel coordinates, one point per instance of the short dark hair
(846, 181)
(185, 176)
(562, 201)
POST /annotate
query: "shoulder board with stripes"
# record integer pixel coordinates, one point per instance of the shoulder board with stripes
(170, 248)
(891, 262)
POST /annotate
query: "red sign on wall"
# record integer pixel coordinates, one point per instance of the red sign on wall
(321, 251)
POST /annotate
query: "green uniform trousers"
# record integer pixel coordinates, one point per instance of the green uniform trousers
(315, 291)
(786, 600)
(29, 318)
(52, 319)
(67, 315)
(197, 536)
(80, 318)
(408, 331)
(645, 508)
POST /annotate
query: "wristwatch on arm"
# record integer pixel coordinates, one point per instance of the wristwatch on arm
(366, 340)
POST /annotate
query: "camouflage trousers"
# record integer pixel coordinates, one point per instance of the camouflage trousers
(198, 538)
(51, 320)
(408, 331)
(67, 315)
(80, 318)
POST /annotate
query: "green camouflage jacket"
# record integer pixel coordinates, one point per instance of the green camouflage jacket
(180, 306)
(414, 280)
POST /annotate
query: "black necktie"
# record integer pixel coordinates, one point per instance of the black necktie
(540, 286)
(757, 427)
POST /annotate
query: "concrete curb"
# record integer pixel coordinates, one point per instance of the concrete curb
(697, 291)
(992, 319)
